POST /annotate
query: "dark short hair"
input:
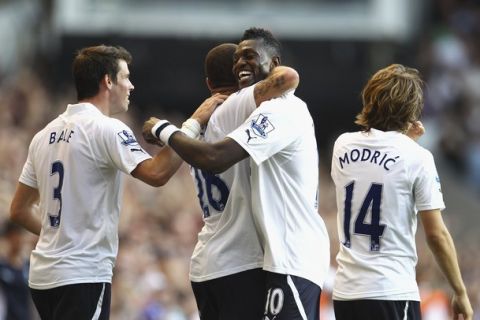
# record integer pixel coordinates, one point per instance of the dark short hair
(270, 41)
(219, 64)
(392, 98)
(91, 64)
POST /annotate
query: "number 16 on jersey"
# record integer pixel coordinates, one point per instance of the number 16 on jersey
(213, 188)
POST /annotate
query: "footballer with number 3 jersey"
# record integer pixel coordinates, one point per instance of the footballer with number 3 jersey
(384, 180)
(75, 171)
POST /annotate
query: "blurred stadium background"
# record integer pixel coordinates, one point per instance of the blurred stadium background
(334, 44)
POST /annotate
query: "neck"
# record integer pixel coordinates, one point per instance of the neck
(98, 102)
(225, 90)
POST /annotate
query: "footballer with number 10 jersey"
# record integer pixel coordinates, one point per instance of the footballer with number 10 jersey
(279, 136)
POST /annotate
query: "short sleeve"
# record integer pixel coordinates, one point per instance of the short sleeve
(123, 148)
(28, 175)
(427, 187)
(269, 129)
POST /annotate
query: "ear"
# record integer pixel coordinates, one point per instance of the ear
(209, 84)
(107, 81)
(275, 62)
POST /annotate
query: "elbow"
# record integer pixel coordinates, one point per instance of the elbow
(288, 77)
(437, 239)
(16, 214)
(158, 180)
(154, 180)
(292, 78)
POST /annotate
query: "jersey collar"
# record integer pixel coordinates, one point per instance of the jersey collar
(84, 106)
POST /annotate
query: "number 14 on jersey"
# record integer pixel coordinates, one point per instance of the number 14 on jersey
(373, 229)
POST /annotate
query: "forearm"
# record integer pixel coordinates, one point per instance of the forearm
(23, 208)
(443, 248)
(281, 80)
(214, 158)
(26, 217)
(158, 170)
(28, 220)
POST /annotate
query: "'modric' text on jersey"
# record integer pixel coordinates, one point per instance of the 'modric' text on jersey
(368, 155)
(64, 135)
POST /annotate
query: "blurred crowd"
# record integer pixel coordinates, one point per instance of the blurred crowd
(450, 59)
(158, 226)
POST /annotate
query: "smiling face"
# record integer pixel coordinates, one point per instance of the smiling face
(120, 91)
(252, 62)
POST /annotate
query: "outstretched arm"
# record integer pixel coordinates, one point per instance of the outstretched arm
(220, 156)
(280, 80)
(158, 170)
(22, 208)
(212, 157)
(441, 244)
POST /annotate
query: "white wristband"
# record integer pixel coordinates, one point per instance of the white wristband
(191, 128)
(163, 130)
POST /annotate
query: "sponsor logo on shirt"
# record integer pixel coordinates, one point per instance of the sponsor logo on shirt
(261, 126)
(127, 138)
(250, 137)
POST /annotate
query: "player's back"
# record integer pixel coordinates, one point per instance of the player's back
(228, 234)
(79, 188)
(375, 174)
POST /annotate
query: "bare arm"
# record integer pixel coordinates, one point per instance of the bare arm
(158, 170)
(22, 208)
(441, 244)
(212, 157)
(278, 82)
(220, 156)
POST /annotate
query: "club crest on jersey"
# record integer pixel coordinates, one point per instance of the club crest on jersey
(127, 138)
(262, 126)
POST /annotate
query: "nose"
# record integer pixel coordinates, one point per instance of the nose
(237, 65)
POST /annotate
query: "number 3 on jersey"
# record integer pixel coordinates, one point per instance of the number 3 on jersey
(373, 229)
(57, 167)
(214, 188)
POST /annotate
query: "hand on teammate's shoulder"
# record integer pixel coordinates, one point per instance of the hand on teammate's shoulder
(416, 130)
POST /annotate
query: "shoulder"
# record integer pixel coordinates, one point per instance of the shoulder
(414, 149)
(45, 131)
(113, 125)
(346, 137)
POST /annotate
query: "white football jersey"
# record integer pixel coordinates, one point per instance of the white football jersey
(280, 139)
(228, 242)
(76, 162)
(381, 180)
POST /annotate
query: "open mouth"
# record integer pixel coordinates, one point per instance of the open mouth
(244, 75)
(245, 78)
